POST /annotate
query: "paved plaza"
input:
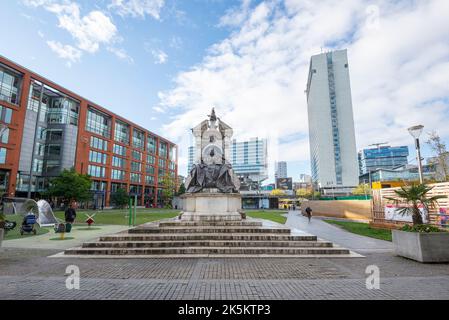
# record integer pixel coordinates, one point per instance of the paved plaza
(30, 274)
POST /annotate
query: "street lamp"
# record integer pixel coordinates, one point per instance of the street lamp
(415, 132)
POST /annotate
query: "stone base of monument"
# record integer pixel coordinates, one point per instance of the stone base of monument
(210, 205)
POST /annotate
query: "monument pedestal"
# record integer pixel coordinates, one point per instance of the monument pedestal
(212, 206)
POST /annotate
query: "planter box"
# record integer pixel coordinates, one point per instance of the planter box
(422, 247)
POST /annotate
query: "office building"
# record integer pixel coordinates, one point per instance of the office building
(331, 123)
(280, 170)
(382, 157)
(49, 128)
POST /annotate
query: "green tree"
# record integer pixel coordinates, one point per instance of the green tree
(409, 199)
(71, 185)
(441, 155)
(278, 193)
(182, 189)
(120, 198)
(304, 193)
(168, 190)
(362, 189)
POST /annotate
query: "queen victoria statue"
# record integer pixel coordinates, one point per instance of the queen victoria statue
(212, 170)
(212, 186)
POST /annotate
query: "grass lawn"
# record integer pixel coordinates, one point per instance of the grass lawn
(120, 216)
(273, 215)
(362, 229)
(106, 217)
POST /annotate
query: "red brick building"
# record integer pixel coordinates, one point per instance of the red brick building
(47, 128)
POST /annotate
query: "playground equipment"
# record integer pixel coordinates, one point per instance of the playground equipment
(63, 228)
(90, 219)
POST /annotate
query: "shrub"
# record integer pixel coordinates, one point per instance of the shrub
(423, 228)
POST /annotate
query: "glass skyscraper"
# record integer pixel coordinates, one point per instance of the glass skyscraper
(383, 157)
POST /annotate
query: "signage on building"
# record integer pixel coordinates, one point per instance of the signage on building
(284, 183)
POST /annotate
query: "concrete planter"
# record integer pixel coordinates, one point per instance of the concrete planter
(422, 247)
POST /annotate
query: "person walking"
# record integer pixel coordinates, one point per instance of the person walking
(309, 213)
(70, 213)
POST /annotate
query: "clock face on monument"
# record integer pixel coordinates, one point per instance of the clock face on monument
(212, 154)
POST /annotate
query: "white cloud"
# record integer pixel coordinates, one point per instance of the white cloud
(67, 52)
(121, 54)
(160, 57)
(256, 77)
(137, 8)
(89, 31)
(158, 109)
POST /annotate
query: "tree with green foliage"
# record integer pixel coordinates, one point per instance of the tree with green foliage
(182, 189)
(168, 190)
(362, 189)
(278, 193)
(71, 186)
(304, 193)
(409, 199)
(120, 198)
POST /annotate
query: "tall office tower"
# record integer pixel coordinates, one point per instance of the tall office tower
(280, 170)
(383, 157)
(331, 122)
(249, 159)
(191, 159)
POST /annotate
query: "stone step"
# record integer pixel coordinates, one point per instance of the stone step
(205, 243)
(220, 229)
(178, 223)
(209, 236)
(207, 251)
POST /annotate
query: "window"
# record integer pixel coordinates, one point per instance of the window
(121, 132)
(52, 150)
(136, 155)
(163, 150)
(151, 144)
(97, 157)
(52, 166)
(149, 169)
(138, 139)
(149, 180)
(4, 136)
(172, 165)
(3, 155)
(135, 177)
(136, 166)
(98, 143)
(98, 186)
(38, 165)
(5, 115)
(118, 162)
(117, 174)
(120, 150)
(116, 186)
(151, 159)
(96, 171)
(10, 83)
(98, 123)
(162, 163)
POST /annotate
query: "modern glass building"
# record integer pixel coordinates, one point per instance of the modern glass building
(248, 159)
(47, 128)
(383, 157)
(331, 123)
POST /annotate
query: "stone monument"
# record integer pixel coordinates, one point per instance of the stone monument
(212, 188)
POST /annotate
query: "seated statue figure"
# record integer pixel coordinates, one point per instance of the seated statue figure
(220, 176)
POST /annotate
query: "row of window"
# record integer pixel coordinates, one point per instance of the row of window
(100, 123)
(10, 83)
(116, 174)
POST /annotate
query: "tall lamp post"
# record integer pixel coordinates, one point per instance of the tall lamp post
(415, 132)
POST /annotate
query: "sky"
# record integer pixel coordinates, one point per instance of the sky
(163, 64)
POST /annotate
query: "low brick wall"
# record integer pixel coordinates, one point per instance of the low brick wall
(349, 209)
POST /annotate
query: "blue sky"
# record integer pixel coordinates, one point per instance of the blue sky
(164, 63)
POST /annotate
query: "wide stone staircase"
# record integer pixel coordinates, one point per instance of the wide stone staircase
(249, 238)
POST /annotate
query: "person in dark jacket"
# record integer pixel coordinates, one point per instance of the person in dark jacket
(70, 213)
(309, 213)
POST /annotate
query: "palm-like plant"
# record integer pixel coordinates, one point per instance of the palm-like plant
(411, 198)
